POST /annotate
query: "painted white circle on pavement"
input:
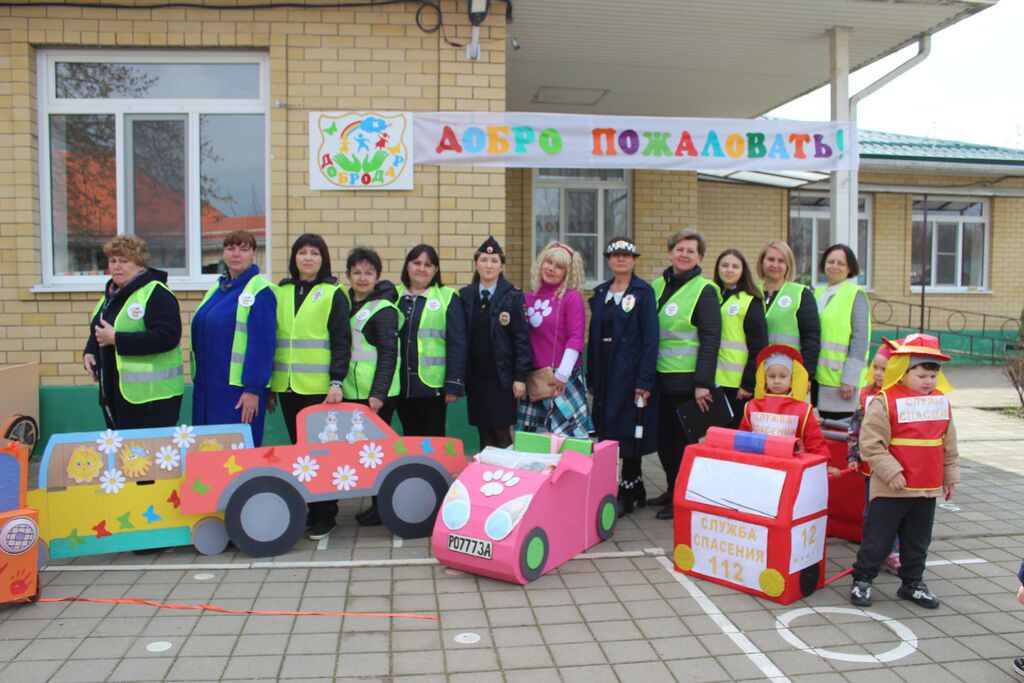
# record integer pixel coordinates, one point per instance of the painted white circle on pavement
(467, 638)
(908, 641)
(952, 507)
(204, 576)
(159, 646)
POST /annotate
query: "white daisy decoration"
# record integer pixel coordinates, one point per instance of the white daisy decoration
(237, 446)
(112, 481)
(168, 458)
(109, 442)
(345, 478)
(371, 456)
(184, 436)
(305, 468)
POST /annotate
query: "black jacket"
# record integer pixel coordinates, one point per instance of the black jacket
(755, 329)
(339, 331)
(510, 336)
(162, 333)
(809, 324)
(382, 331)
(707, 318)
(454, 342)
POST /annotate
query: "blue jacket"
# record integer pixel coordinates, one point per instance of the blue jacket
(635, 351)
(513, 356)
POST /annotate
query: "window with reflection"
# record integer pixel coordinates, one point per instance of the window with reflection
(949, 242)
(810, 225)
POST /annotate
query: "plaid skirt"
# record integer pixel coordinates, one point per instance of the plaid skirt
(565, 415)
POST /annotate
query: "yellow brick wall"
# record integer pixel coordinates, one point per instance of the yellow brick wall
(663, 202)
(740, 217)
(329, 59)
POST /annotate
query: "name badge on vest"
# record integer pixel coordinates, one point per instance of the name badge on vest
(247, 299)
(774, 424)
(784, 302)
(732, 309)
(628, 302)
(922, 408)
(671, 310)
(433, 305)
(504, 318)
(362, 315)
(318, 294)
(136, 311)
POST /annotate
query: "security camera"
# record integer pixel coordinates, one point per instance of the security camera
(478, 11)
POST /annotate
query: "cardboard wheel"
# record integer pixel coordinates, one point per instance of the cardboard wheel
(265, 516)
(533, 553)
(210, 536)
(24, 429)
(409, 499)
(809, 579)
(607, 517)
(42, 554)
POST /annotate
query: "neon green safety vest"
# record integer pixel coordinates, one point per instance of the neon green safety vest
(302, 359)
(733, 353)
(359, 379)
(783, 327)
(151, 377)
(240, 340)
(677, 336)
(836, 330)
(430, 337)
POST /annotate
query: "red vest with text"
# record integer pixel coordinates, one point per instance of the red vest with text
(784, 416)
(918, 423)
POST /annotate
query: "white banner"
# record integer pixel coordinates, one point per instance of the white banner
(536, 140)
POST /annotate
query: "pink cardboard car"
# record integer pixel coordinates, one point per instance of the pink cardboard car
(517, 514)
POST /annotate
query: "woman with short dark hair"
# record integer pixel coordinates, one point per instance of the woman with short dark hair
(432, 342)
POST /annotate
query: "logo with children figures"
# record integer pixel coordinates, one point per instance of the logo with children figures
(360, 151)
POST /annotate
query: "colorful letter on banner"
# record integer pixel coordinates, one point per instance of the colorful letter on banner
(360, 150)
(537, 140)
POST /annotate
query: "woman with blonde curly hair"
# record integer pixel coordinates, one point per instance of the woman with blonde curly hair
(556, 400)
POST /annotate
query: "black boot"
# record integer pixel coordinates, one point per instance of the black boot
(640, 498)
(625, 498)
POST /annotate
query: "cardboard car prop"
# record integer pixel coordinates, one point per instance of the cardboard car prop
(750, 513)
(19, 409)
(344, 451)
(114, 491)
(516, 514)
(847, 492)
(19, 528)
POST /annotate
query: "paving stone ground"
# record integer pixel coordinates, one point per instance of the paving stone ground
(607, 619)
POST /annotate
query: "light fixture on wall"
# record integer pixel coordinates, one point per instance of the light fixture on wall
(477, 14)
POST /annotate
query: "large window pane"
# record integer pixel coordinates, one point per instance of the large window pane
(581, 231)
(921, 256)
(83, 188)
(863, 250)
(616, 213)
(801, 241)
(972, 272)
(157, 196)
(945, 254)
(823, 227)
(588, 249)
(103, 80)
(546, 214)
(232, 172)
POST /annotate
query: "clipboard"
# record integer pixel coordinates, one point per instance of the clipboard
(696, 423)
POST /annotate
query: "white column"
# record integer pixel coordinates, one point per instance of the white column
(843, 184)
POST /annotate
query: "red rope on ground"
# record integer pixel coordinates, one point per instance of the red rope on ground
(838, 576)
(214, 608)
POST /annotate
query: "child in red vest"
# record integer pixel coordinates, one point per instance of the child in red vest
(909, 440)
(779, 405)
(867, 394)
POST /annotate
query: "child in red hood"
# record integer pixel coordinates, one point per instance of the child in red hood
(780, 403)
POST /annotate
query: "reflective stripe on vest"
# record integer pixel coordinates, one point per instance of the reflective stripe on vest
(783, 325)
(240, 339)
(732, 352)
(836, 330)
(302, 358)
(361, 370)
(677, 338)
(431, 348)
(918, 423)
(153, 376)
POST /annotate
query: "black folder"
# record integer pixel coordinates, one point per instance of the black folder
(696, 423)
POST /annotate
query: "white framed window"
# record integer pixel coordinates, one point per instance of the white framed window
(582, 208)
(809, 235)
(169, 145)
(949, 252)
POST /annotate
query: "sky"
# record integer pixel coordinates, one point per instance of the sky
(971, 87)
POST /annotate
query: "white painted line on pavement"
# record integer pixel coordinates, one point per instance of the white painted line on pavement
(322, 543)
(759, 659)
(964, 560)
(907, 646)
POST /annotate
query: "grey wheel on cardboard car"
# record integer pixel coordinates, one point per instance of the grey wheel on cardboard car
(24, 429)
(607, 517)
(210, 536)
(409, 498)
(533, 553)
(265, 516)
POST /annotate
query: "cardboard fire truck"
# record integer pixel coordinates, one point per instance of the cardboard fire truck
(750, 513)
(19, 528)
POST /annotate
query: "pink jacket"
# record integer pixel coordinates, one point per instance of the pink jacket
(544, 313)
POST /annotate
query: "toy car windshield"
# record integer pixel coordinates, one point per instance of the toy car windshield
(501, 457)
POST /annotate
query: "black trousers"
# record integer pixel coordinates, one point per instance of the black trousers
(912, 519)
(423, 416)
(124, 415)
(499, 437)
(671, 437)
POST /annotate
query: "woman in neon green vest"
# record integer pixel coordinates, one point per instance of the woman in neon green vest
(372, 377)
(845, 335)
(134, 347)
(744, 331)
(790, 309)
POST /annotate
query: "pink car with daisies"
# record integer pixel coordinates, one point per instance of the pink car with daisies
(344, 451)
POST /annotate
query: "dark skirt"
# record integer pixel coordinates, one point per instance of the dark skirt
(488, 404)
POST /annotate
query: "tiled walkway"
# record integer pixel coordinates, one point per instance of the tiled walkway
(624, 617)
